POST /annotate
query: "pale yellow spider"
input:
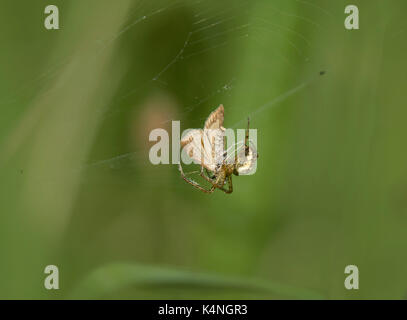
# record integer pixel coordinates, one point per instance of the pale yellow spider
(207, 147)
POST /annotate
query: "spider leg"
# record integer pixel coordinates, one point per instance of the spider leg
(219, 183)
(208, 174)
(230, 190)
(210, 180)
(193, 183)
(191, 172)
(246, 139)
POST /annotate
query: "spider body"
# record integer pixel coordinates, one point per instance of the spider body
(207, 147)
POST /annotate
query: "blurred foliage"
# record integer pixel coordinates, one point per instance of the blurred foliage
(78, 190)
(147, 282)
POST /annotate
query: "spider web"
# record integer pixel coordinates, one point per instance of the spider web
(182, 59)
(210, 29)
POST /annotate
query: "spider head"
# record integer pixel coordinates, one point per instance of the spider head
(246, 163)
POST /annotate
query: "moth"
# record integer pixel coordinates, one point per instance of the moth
(207, 147)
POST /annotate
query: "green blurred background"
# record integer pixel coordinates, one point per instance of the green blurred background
(77, 189)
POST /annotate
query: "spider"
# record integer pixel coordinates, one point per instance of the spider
(207, 147)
